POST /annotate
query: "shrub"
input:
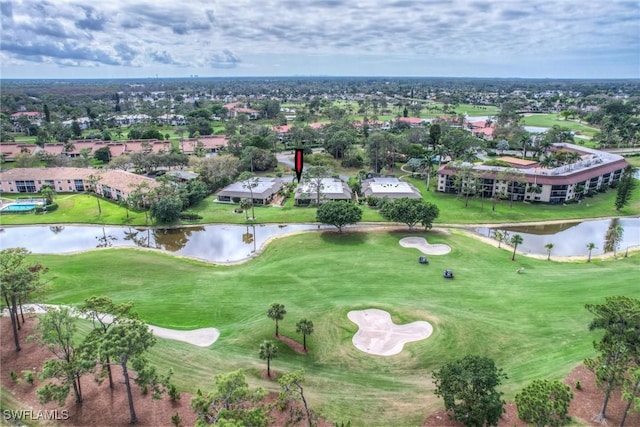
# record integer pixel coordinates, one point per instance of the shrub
(14, 376)
(578, 385)
(190, 216)
(544, 402)
(48, 208)
(176, 420)
(174, 393)
(28, 376)
(373, 202)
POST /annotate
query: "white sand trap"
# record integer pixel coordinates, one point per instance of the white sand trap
(203, 337)
(423, 246)
(378, 335)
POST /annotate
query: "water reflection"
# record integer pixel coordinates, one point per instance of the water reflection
(214, 243)
(571, 239)
(105, 240)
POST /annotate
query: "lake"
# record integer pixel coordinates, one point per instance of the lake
(570, 238)
(212, 243)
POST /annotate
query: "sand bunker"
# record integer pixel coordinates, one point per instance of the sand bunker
(423, 246)
(203, 337)
(378, 335)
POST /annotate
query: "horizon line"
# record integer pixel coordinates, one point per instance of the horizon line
(293, 76)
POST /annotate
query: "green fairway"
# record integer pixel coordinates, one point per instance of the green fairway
(550, 120)
(534, 325)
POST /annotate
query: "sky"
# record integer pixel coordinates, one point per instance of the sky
(238, 38)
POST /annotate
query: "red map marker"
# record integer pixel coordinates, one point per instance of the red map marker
(299, 163)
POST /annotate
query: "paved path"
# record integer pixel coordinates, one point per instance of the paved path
(203, 337)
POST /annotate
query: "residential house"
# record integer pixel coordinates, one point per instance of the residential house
(414, 122)
(234, 109)
(330, 189)
(261, 188)
(209, 144)
(390, 188)
(83, 122)
(171, 119)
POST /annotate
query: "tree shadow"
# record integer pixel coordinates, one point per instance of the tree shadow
(346, 238)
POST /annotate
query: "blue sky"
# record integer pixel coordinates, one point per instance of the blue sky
(226, 38)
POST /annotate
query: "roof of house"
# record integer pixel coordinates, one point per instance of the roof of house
(112, 178)
(27, 114)
(331, 188)
(411, 120)
(391, 188)
(186, 175)
(265, 188)
(9, 151)
(282, 129)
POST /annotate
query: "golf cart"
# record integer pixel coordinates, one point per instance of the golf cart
(448, 274)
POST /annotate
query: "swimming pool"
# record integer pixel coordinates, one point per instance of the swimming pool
(18, 207)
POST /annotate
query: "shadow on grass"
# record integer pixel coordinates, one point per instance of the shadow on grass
(346, 238)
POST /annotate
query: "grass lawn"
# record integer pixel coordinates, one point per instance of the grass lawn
(452, 208)
(533, 325)
(477, 110)
(76, 208)
(549, 120)
(83, 209)
(633, 161)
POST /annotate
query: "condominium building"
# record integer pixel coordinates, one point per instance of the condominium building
(527, 180)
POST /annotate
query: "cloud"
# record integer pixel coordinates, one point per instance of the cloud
(93, 20)
(225, 59)
(163, 57)
(125, 52)
(39, 51)
(6, 9)
(461, 33)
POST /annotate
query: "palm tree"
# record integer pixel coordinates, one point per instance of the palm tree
(276, 312)
(245, 205)
(499, 236)
(573, 157)
(613, 237)
(48, 193)
(549, 246)
(93, 181)
(590, 247)
(305, 327)
(268, 351)
(251, 184)
(515, 241)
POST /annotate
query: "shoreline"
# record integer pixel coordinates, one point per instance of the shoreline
(368, 227)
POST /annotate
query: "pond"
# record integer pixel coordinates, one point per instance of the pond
(225, 243)
(212, 243)
(570, 238)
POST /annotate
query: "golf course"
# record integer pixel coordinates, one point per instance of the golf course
(533, 325)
